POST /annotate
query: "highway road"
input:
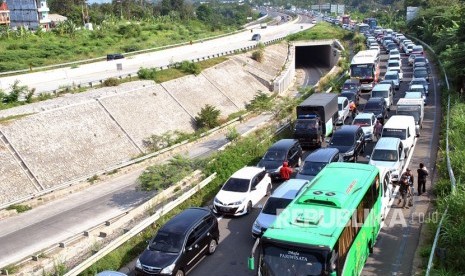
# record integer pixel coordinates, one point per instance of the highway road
(394, 251)
(46, 81)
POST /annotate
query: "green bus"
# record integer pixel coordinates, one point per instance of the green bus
(329, 229)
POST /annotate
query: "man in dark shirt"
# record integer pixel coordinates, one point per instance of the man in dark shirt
(422, 175)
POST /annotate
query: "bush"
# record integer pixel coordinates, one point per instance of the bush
(19, 208)
(208, 117)
(111, 82)
(147, 73)
(258, 55)
(190, 67)
(261, 102)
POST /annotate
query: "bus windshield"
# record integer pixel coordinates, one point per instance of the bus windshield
(277, 261)
(362, 71)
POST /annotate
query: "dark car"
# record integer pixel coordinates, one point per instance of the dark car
(350, 141)
(390, 46)
(180, 244)
(256, 37)
(114, 56)
(421, 72)
(351, 85)
(284, 150)
(351, 96)
(377, 106)
(316, 161)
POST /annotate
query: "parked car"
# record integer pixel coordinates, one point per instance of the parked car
(114, 56)
(256, 37)
(394, 77)
(421, 72)
(418, 58)
(349, 140)
(417, 50)
(284, 150)
(351, 96)
(279, 200)
(378, 107)
(242, 191)
(421, 81)
(343, 110)
(352, 85)
(385, 91)
(389, 154)
(180, 243)
(395, 65)
(411, 59)
(316, 161)
(419, 88)
(409, 48)
(390, 46)
(367, 122)
(394, 54)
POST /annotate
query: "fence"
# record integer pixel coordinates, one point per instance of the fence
(449, 166)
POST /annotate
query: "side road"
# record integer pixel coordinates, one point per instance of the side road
(75, 212)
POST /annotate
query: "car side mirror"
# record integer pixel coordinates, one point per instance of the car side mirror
(368, 156)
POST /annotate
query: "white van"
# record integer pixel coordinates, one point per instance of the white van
(402, 127)
(389, 157)
(412, 107)
(384, 90)
(277, 202)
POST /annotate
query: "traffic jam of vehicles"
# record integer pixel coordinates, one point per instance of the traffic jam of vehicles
(317, 172)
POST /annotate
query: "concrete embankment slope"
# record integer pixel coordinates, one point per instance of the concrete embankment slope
(77, 135)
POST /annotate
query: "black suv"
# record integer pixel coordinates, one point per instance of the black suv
(352, 85)
(377, 106)
(114, 56)
(349, 140)
(284, 150)
(180, 244)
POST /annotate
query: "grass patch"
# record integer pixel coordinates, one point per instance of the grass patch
(322, 30)
(13, 117)
(19, 208)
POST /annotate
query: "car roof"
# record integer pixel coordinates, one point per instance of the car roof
(418, 79)
(392, 73)
(417, 86)
(247, 172)
(352, 81)
(375, 100)
(185, 220)
(364, 115)
(347, 129)
(382, 86)
(387, 143)
(283, 144)
(290, 188)
(322, 155)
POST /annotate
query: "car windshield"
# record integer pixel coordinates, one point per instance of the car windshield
(305, 124)
(362, 122)
(420, 73)
(413, 95)
(166, 242)
(394, 132)
(349, 86)
(420, 59)
(312, 168)
(274, 155)
(390, 77)
(342, 140)
(410, 111)
(372, 106)
(239, 185)
(420, 82)
(384, 155)
(278, 261)
(275, 205)
(394, 52)
(379, 93)
(393, 64)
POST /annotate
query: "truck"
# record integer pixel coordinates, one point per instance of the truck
(263, 25)
(316, 117)
(414, 108)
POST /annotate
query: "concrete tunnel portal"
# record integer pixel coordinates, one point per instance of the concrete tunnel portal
(320, 54)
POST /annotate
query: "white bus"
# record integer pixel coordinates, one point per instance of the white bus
(365, 67)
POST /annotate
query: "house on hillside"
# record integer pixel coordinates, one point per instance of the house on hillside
(29, 13)
(4, 14)
(56, 19)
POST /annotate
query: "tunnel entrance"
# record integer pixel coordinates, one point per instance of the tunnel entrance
(319, 56)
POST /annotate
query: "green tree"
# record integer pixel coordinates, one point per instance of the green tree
(208, 117)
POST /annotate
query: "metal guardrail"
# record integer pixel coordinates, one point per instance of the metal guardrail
(139, 227)
(449, 166)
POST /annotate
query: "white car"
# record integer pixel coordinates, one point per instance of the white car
(367, 122)
(409, 48)
(395, 65)
(343, 110)
(394, 77)
(242, 191)
(415, 95)
(421, 81)
(394, 54)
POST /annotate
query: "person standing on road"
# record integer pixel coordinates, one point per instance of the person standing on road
(422, 174)
(404, 191)
(285, 171)
(378, 129)
(410, 180)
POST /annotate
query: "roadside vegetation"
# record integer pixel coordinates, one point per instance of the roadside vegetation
(147, 26)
